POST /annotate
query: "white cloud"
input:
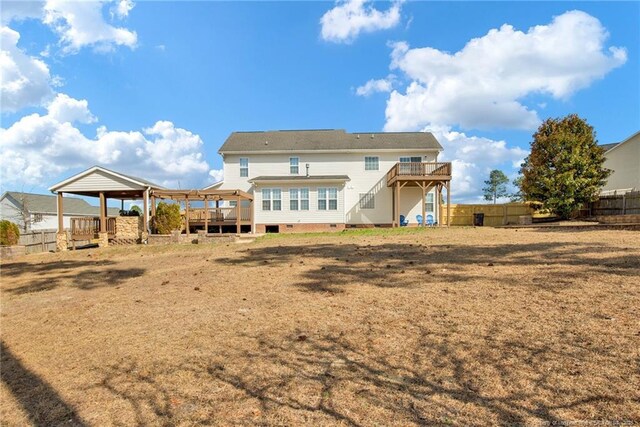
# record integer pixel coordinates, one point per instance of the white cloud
(217, 175)
(81, 23)
(373, 86)
(20, 10)
(472, 159)
(348, 19)
(482, 85)
(24, 79)
(38, 148)
(122, 8)
(66, 109)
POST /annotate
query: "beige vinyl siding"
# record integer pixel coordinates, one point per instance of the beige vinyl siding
(99, 181)
(624, 161)
(287, 216)
(351, 164)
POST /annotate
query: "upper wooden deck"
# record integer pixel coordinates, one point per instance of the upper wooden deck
(409, 173)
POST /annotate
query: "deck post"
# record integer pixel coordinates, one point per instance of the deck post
(424, 201)
(393, 207)
(206, 215)
(439, 196)
(398, 203)
(103, 213)
(448, 203)
(186, 213)
(251, 216)
(238, 213)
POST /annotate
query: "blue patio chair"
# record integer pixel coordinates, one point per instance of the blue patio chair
(430, 222)
(403, 221)
(419, 219)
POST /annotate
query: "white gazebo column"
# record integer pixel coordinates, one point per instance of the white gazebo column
(61, 235)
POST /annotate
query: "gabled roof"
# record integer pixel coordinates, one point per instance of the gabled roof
(326, 140)
(131, 179)
(214, 186)
(609, 147)
(47, 204)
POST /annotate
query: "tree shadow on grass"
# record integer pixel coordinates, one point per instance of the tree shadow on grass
(84, 275)
(330, 267)
(41, 402)
(335, 379)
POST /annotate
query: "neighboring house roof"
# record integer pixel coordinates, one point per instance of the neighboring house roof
(609, 147)
(132, 179)
(327, 140)
(301, 178)
(47, 204)
(214, 185)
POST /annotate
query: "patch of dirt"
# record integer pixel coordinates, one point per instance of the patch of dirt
(455, 326)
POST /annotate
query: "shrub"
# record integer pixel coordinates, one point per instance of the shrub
(168, 218)
(9, 233)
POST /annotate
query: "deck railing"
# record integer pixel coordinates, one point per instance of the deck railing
(90, 226)
(229, 214)
(425, 169)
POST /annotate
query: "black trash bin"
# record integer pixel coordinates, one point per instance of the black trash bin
(478, 219)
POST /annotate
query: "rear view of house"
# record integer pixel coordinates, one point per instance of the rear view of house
(330, 179)
(623, 159)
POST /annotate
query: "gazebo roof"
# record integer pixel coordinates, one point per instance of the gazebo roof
(98, 179)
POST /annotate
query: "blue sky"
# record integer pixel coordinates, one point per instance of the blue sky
(130, 84)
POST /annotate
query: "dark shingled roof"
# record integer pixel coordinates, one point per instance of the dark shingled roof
(43, 203)
(302, 178)
(329, 139)
(608, 147)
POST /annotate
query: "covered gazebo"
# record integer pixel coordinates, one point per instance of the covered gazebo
(104, 184)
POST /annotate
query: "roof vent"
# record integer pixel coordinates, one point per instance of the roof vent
(266, 143)
(371, 136)
(358, 136)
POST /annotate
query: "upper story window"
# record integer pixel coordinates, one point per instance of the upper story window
(417, 159)
(294, 165)
(37, 217)
(299, 199)
(244, 167)
(371, 163)
(271, 199)
(328, 199)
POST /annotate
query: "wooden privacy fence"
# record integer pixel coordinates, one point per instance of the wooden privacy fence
(622, 204)
(38, 241)
(494, 215)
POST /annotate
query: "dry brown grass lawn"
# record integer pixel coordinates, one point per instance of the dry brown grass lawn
(462, 326)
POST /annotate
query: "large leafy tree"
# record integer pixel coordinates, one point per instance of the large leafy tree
(564, 169)
(495, 186)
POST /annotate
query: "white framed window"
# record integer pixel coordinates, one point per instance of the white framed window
(294, 165)
(367, 201)
(327, 199)
(429, 204)
(371, 163)
(36, 218)
(417, 159)
(244, 167)
(299, 199)
(271, 199)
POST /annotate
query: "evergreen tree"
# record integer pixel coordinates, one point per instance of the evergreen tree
(496, 186)
(564, 169)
